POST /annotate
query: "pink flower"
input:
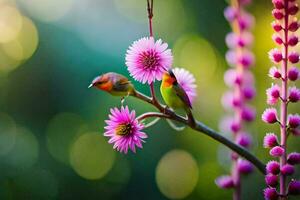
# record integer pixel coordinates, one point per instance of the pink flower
(273, 94)
(124, 130)
(244, 166)
(276, 26)
(224, 182)
(294, 94)
(287, 170)
(148, 59)
(244, 139)
(270, 140)
(270, 115)
(274, 73)
(187, 81)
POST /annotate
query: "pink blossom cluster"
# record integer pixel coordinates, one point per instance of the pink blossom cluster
(282, 92)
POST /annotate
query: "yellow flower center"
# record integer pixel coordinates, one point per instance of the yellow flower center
(124, 129)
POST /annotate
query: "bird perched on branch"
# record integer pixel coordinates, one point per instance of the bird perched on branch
(113, 83)
(174, 95)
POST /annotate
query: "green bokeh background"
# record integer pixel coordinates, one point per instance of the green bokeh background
(46, 107)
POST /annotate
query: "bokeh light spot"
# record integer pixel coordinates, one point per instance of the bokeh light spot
(177, 174)
(25, 44)
(25, 151)
(91, 156)
(10, 23)
(62, 131)
(7, 133)
(197, 55)
(47, 10)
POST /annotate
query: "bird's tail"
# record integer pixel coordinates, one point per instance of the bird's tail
(190, 115)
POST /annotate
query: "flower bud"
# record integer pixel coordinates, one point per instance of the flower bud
(277, 39)
(270, 116)
(275, 55)
(294, 120)
(249, 92)
(274, 73)
(287, 170)
(293, 9)
(271, 194)
(248, 113)
(224, 182)
(270, 140)
(271, 180)
(277, 151)
(294, 188)
(293, 73)
(276, 26)
(293, 27)
(279, 4)
(278, 14)
(293, 158)
(230, 13)
(244, 166)
(294, 94)
(244, 140)
(273, 94)
(293, 40)
(273, 167)
(293, 57)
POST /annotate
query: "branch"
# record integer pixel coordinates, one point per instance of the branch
(200, 127)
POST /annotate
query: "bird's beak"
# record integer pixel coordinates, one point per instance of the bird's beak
(91, 85)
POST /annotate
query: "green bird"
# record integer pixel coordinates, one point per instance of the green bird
(174, 95)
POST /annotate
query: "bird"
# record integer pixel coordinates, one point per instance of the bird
(113, 83)
(174, 95)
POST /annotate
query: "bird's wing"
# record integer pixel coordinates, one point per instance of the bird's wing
(182, 95)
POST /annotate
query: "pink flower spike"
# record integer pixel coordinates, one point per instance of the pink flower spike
(294, 94)
(187, 81)
(287, 170)
(293, 158)
(293, 73)
(147, 59)
(274, 73)
(271, 180)
(294, 120)
(270, 140)
(275, 55)
(273, 167)
(270, 116)
(270, 194)
(124, 130)
(273, 94)
(224, 182)
(293, 57)
(277, 151)
(294, 187)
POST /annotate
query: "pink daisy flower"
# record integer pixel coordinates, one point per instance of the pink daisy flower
(187, 81)
(147, 59)
(124, 130)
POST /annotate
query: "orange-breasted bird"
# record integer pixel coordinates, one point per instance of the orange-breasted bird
(174, 95)
(113, 83)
